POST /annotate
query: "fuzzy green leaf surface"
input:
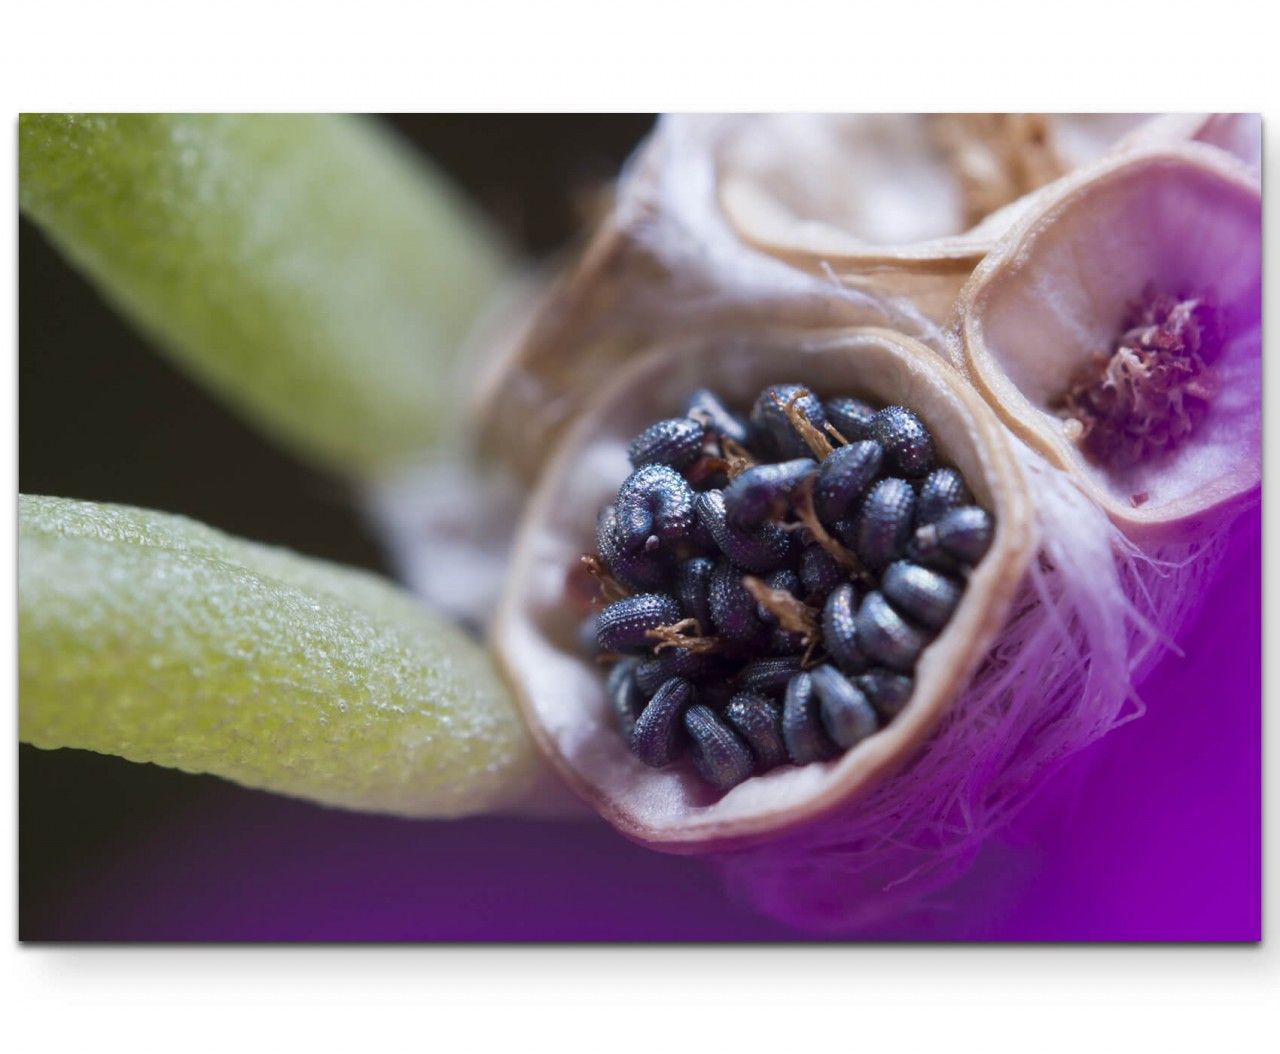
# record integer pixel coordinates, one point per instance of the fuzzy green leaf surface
(309, 269)
(155, 638)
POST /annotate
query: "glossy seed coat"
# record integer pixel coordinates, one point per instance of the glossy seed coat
(750, 498)
(942, 490)
(760, 550)
(888, 691)
(802, 731)
(850, 417)
(768, 676)
(719, 754)
(639, 570)
(847, 716)
(920, 593)
(624, 695)
(843, 477)
(965, 533)
(654, 505)
(658, 736)
(693, 666)
(908, 447)
(733, 608)
(839, 628)
(623, 625)
(676, 442)
(769, 418)
(758, 721)
(886, 637)
(819, 575)
(693, 582)
(885, 523)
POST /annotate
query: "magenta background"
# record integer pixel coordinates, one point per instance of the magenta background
(1153, 834)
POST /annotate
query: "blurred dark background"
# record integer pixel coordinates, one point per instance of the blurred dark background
(103, 417)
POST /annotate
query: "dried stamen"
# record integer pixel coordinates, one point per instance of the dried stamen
(610, 588)
(1150, 393)
(675, 636)
(819, 444)
(793, 615)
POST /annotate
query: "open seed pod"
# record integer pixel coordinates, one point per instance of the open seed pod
(1117, 329)
(1239, 134)
(902, 204)
(536, 633)
(662, 261)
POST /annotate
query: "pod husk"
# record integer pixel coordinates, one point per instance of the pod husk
(561, 693)
(1055, 291)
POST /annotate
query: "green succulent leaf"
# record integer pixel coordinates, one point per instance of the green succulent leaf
(306, 268)
(158, 639)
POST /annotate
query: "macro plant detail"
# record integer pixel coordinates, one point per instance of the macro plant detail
(808, 520)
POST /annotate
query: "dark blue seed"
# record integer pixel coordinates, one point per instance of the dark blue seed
(759, 721)
(754, 495)
(587, 642)
(924, 549)
(850, 417)
(965, 533)
(908, 448)
(889, 692)
(843, 476)
(786, 580)
(692, 583)
(676, 442)
(658, 736)
(847, 716)
(802, 730)
(768, 676)
(942, 490)
(703, 405)
(759, 550)
(733, 608)
(624, 695)
(921, 594)
(638, 570)
(719, 754)
(769, 417)
(655, 505)
(623, 625)
(781, 643)
(886, 636)
(885, 523)
(839, 628)
(696, 666)
(819, 574)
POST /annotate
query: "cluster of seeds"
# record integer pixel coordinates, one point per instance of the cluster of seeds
(766, 583)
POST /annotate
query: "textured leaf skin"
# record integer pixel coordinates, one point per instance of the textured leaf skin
(158, 639)
(306, 268)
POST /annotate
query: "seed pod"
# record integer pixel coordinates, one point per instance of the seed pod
(889, 692)
(922, 595)
(719, 755)
(1128, 219)
(908, 447)
(942, 490)
(759, 721)
(844, 474)
(884, 523)
(964, 533)
(763, 549)
(839, 628)
(733, 608)
(624, 695)
(846, 715)
(768, 676)
(639, 570)
(749, 499)
(675, 442)
(705, 406)
(850, 417)
(769, 417)
(654, 504)
(819, 574)
(623, 625)
(563, 695)
(886, 636)
(802, 731)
